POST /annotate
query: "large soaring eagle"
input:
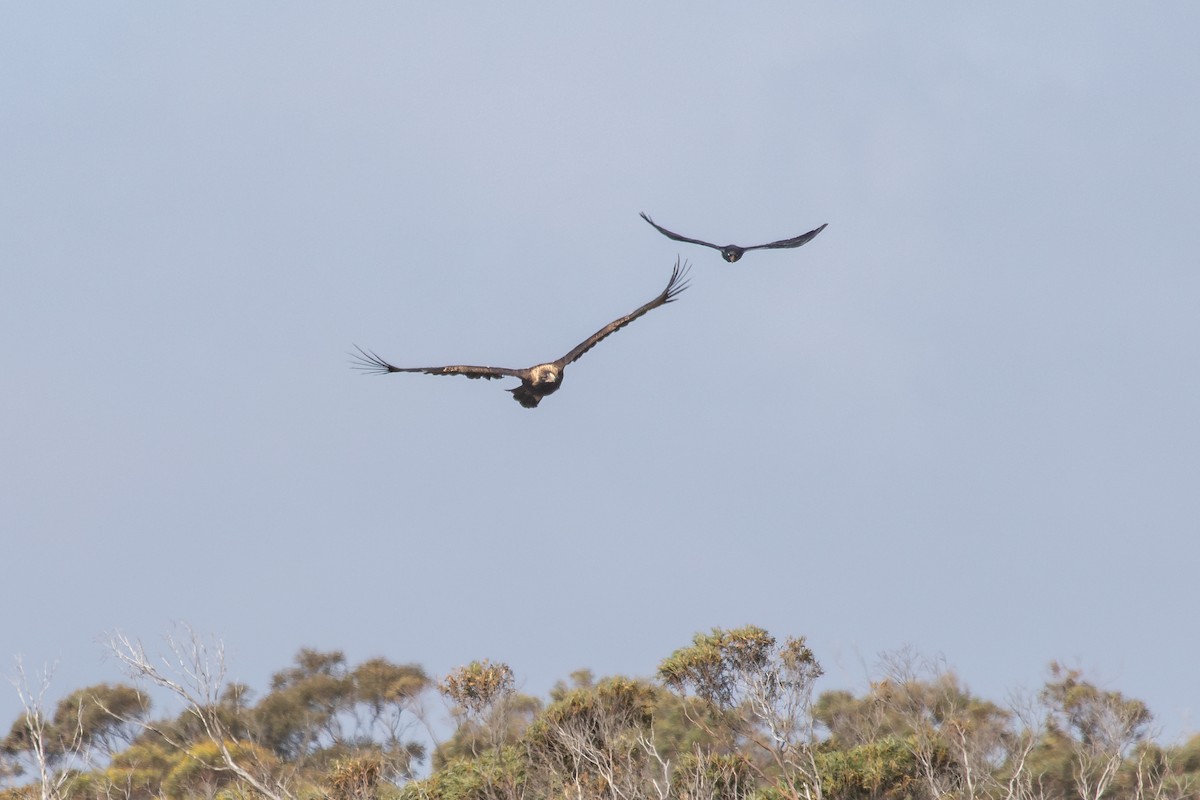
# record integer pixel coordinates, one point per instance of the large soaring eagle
(542, 379)
(732, 252)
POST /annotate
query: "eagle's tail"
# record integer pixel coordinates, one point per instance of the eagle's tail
(525, 397)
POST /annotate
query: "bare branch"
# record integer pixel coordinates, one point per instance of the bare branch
(193, 670)
(54, 750)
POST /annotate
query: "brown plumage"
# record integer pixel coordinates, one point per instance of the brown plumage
(732, 252)
(542, 379)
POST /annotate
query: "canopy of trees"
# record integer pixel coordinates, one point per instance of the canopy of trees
(734, 714)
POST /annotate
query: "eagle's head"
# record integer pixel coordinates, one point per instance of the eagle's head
(731, 253)
(545, 374)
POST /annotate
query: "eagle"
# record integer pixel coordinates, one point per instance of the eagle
(542, 379)
(732, 252)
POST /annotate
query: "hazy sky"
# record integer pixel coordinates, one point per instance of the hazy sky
(964, 418)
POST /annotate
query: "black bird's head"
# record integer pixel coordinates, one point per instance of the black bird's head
(731, 252)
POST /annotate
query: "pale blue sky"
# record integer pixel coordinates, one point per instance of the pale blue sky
(964, 418)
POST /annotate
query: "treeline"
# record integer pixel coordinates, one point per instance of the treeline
(735, 714)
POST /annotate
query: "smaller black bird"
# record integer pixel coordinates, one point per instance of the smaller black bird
(732, 252)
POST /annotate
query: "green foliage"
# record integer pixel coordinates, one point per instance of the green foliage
(1089, 733)
(18, 739)
(96, 717)
(379, 684)
(885, 769)
(848, 720)
(102, 715)
(602, 719)
(1154, 767)
(597, 714)
(760, 694)
(478, 686)
(591, 741)
(684, 726)
(1091, 716)
(715, 662)
(356, 778)
(231, 711)
(201, 770)
(474, 736)
(579, 679)
(319, 706)
(731, 717)
(629, 701)
(303, 704)
(488, 711)
(745, 667)
(494, 775)
(136, 773)
(1188, 756)
(704, 775)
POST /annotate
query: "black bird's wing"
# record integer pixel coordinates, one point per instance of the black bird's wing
(367, 361)
(794, 242)
(676, 236)
(676, 285)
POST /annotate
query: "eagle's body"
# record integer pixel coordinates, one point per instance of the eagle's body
(542, 379)
(733, 252)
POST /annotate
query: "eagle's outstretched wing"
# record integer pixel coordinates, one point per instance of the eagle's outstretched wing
(793, 242)
(676, 285)
(368, 361)
(676, 236)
